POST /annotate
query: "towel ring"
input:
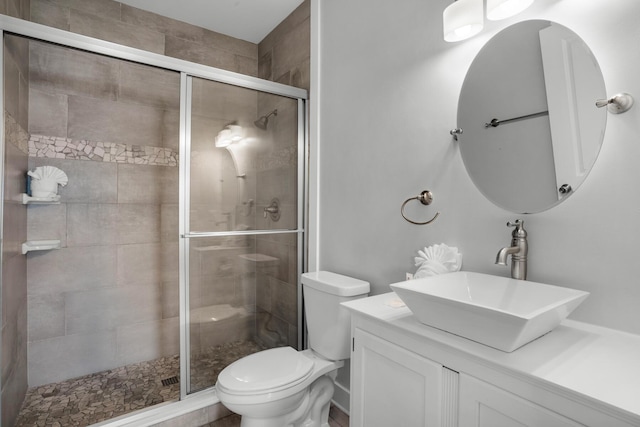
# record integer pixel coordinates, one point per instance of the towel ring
(425, 197)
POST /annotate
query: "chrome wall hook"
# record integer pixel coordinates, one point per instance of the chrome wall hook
(617, 104)
(425, 197)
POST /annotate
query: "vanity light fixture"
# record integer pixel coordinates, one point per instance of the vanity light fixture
(502, 9)
(462, 19)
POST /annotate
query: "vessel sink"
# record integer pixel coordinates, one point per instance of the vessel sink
(496, 311)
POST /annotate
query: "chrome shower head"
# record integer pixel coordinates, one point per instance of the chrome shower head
(262, 122)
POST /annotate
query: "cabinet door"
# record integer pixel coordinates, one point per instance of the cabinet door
(484, 405)
(391, 386)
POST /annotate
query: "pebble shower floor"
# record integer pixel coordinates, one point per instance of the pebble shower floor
(98, 397)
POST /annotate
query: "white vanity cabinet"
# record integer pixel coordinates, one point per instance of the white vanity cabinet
(406, 374)
(484, 405)
(391, 386)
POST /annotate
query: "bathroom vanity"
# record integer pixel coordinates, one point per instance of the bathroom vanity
(408, 374)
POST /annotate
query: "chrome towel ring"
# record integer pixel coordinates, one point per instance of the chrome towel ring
(425, 197)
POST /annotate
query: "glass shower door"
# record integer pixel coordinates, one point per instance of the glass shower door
(241, 220)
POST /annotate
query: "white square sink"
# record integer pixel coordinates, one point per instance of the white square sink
(496, 311)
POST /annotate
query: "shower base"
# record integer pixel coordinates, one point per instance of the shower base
(100, 396)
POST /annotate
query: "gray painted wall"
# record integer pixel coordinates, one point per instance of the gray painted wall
(389, 91)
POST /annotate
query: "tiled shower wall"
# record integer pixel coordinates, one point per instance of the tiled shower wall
(105, 299)
(110, 211)
(284, 57)
(117, 221)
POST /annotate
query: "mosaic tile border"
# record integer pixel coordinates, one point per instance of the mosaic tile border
(54, 147)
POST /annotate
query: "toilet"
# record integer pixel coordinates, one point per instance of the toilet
(283, 387)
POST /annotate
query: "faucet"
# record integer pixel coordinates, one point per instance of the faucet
(518, 251)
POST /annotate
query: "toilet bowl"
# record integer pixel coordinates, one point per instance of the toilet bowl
(273, 385)
(283, 387)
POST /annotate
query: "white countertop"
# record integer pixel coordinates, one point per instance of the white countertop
(597, 362)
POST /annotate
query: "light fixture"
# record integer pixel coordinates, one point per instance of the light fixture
(462, 19)
(502, 9)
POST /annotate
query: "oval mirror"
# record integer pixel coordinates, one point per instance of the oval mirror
(531, 129)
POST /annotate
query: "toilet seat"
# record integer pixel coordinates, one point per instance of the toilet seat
(270, 375)
(266, 371)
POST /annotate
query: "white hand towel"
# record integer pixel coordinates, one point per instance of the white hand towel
(437, 259)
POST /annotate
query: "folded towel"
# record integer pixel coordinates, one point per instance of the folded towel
(49, 173)
(437, 259)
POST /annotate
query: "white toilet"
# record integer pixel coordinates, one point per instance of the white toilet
(283, 387)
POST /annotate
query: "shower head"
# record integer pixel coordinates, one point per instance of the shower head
(262, 122)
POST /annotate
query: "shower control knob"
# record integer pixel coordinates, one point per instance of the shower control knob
(565, 189)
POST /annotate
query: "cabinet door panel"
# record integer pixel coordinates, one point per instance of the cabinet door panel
(484, 405)
(392, 386)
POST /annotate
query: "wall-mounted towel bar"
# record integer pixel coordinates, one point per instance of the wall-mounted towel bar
(495, 122)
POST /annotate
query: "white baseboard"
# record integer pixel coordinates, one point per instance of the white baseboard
(341, 398)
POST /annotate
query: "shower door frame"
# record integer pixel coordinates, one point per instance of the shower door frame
(186, 98)
(193, 401)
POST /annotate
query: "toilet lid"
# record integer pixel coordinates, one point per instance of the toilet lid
(268, 369)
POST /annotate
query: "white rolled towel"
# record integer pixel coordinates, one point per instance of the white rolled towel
(437, 259)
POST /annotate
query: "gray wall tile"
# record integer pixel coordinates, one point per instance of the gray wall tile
(286, 27)
(230, 44)
(284, 301)
(170, 300)
(106, 8)
(46, 316)
(147, 184)
(50, 14)
(169, 222)
(15, 170)
(246, 65)
(109, 308)
(105, 28)
(202, 54)
(162, 24)
(89, 182)
(57, 359)
(48, 113)
(140, 263)
(68, 71)
(14, 389)
(111, 121)
(47, 222)
(147, 85)
(14, 291)
(14, 230)
(11, 85)
(170, 271)
(138, 223)
(226, 331)
(14, 341)
(148, 340)
(219, 290)
(107, 224)
(90, 225)
(71, 269)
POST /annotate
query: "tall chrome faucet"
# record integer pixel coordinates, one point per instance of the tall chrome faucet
(518, 251)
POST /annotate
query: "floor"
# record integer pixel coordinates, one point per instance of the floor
(337, 418)
(97, 397)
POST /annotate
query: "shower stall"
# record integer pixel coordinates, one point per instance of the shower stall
(180, 234)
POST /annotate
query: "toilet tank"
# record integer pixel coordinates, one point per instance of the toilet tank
(328, 323)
